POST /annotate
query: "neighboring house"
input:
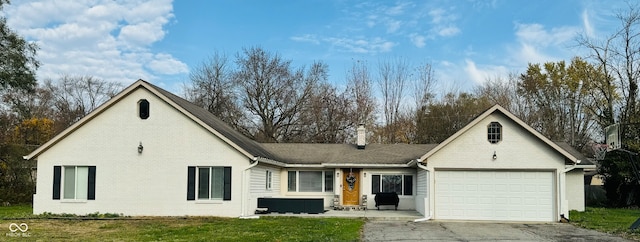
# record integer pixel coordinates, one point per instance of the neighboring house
(149, 152)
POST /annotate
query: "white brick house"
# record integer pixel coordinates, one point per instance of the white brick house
(149, 152)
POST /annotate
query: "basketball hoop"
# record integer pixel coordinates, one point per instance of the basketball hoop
(600, 151)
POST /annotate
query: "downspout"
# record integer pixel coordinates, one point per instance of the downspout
(561, 183)
(245, 190)
(425, 204)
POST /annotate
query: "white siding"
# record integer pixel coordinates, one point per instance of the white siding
(258, 187)
(575, 189)
(151, 183)
(421, 191)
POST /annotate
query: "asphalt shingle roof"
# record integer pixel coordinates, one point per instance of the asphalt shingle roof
(347, 153)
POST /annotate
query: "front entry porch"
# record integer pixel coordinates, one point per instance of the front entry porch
(351, 197)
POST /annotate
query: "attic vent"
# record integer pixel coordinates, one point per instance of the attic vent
(143, 108)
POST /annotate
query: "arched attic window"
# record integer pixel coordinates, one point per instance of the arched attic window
(143, 109)
(494, 132)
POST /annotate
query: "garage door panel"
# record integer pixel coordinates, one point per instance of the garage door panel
(494, 195)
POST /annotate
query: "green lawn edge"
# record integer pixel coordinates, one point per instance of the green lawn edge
(98, 227)
(615, 221)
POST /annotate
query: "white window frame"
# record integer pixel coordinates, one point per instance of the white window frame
(80, 183)
(323, 179)
(211, 184)
(268, 180)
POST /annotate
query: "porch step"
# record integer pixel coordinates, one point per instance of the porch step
(350, 208)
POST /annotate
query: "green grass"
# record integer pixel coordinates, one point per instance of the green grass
(16, 211)
(98, 228)
(609, 220)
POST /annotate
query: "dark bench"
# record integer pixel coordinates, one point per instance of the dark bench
(291, 205)
(386, 198)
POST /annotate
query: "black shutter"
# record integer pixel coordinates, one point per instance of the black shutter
(191, 183)
(227, 184)
(57, 175)
(91, 190)
(375, 184)
(408, 185)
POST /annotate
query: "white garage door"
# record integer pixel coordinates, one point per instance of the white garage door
(494, 195)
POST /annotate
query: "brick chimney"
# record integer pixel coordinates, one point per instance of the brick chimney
(362, 135)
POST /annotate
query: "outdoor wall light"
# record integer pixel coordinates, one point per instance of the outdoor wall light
(140, 148)
(337, 174)
(495, 156)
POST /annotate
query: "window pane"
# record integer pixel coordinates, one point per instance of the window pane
(310, 181)
(328, 181)
(69, 182)
(408, 185)
(268, 180)
(217, 182)
(203, 183)
(392, 183)
(375, 184)
(291, 181)
(82, 183)
(494, 132)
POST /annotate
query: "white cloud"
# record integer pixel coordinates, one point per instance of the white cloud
(480, 74)
(586, 24)
(393, 25)
(449, 31)
(418, 40)
(443, 23)
(536, 33)
(535, 44)
(398, 9)
(361, 45)
(102, 38)
(165, 64)
(441, 16)
(310, 38)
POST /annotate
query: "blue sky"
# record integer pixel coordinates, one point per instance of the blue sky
(466, 41)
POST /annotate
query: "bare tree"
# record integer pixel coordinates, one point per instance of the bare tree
(327, 118)
(213, 88)
(273, 93)
(617, 56)
(73, 97)
(359, 83)
(393, 77)
(442, 118)
(423, 86)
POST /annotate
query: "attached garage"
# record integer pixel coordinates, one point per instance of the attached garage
(505, 195)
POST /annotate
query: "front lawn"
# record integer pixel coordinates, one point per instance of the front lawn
(54, 228)
(609, 220)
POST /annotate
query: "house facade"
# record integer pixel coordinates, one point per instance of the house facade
(149, 152)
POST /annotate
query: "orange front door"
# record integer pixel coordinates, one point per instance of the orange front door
(350, 187)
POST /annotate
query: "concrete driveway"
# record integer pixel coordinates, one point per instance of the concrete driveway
(382, 230)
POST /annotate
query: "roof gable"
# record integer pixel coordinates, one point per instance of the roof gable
(243, 144)
(516, 120)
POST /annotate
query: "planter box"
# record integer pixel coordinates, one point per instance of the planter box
(292, 205)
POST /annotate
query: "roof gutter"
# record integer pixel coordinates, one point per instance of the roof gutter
(269, 161)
